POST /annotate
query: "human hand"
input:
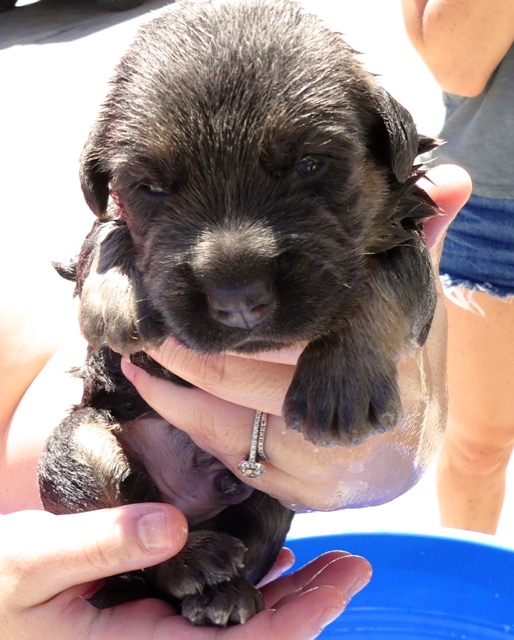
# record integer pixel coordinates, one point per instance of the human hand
(218, 413)
(49, 564)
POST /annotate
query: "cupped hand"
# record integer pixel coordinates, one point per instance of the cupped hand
(50, 564)
(218, 413)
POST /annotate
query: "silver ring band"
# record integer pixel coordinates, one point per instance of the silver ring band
(253, 466)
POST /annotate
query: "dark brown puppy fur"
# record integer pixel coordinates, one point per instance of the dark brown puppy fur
(263, 193)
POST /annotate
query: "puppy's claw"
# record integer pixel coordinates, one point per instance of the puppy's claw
(342, 405)
(120, 589)
(346, 428)
(232, 602)
(113, 303)
(208, 559)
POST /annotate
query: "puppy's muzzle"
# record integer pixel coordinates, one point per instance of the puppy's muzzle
(235, 268)
(242, 305)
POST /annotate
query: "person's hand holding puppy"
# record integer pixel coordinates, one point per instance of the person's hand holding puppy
(50, 564)
(218, 415)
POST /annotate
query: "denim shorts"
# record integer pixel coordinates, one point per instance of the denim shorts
(478, 252)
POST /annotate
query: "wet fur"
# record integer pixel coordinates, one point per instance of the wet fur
(263, 193)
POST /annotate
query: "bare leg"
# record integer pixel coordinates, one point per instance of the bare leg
(480, 434)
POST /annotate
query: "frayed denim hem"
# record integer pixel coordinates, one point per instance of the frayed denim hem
(478, 252)
(461, 291)
(451, 283)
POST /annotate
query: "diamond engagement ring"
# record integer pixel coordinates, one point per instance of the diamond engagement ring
(254, 466)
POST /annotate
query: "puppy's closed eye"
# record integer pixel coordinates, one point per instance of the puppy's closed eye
(153, 189)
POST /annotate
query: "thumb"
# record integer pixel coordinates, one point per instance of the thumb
(450, 187)
(45, 554)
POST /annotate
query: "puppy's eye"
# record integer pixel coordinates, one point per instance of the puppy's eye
(227, 483)
(309, 166)
(154, 189)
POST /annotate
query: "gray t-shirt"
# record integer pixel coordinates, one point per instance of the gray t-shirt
(480, 133)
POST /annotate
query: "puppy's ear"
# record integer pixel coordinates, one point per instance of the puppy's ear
(397, 142)
(94, 178)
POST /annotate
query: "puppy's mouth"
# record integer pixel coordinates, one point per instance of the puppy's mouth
(255, 345)
(216, 336)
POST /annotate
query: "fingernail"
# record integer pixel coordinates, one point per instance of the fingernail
(152, 529)
(128, 369)
(329, 615)
(357, 585)
(332, 613)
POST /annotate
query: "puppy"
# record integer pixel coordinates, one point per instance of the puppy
(254, 187)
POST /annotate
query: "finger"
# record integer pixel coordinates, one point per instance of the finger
(283, 563)
(450, 187)
(247, 382)
(287, 355)
(302, 618)
(296, 580)
(347, 572)
(224, 430)
(315, 600)
(49, 553)
(209, 420)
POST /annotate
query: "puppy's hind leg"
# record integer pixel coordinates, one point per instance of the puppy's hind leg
(83, 467)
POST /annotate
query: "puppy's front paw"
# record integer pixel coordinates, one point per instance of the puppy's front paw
(113, 308)
(208, 559)
(231, 602)
(108, 312)
(340, 397)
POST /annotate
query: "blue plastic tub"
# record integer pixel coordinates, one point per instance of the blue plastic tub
(425, 587)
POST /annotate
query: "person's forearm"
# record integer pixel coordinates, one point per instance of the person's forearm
(461, 41)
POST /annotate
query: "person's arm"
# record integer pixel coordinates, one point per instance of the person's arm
(35, 307)
(461, 41)
(50, 564)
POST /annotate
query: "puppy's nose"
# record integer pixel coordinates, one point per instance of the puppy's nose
(243, 305)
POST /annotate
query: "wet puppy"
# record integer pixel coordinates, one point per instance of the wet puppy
(254, 187)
